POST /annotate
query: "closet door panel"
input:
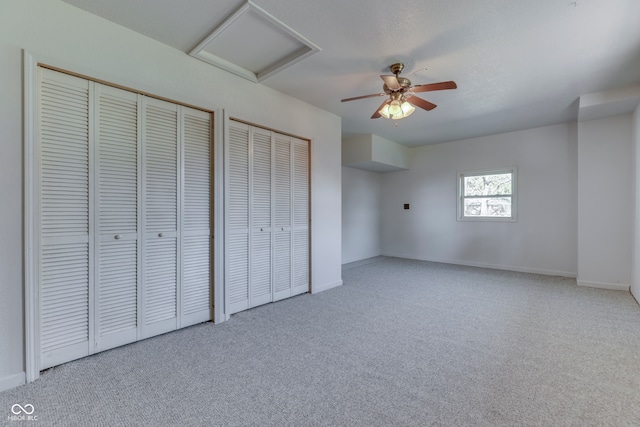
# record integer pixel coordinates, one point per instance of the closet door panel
(196, 281)
(300, 262)
(282, 264)
(282, 201)
(282, 221)
(237, 272)
(64, 306)
(117, 166)
(160, 192)
(237, 217)
(300, 184)
(300, 217)
(160, 285)
(117, 317)
(260, 275)
(65, 266)
(238, 177)
(261, 268)
(196, 218)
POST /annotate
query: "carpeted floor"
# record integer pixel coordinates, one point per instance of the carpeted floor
(401, 343)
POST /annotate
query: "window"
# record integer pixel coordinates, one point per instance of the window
(487, 195)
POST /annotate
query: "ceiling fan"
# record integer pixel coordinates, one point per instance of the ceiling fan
(402, 100)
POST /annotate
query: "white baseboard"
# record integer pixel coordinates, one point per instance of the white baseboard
(604, 285)
(12, 381)
(360, 262)
(319, 288)
(350, 261)
(486, 265)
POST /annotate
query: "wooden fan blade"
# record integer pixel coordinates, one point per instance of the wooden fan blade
(419, 102)
(377, 113)
(434, 86)
(391, 82)
(374, 95)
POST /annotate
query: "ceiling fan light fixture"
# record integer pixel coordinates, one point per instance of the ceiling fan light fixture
(384, 111)
(397, 109)
(407, 109)
(394, 108)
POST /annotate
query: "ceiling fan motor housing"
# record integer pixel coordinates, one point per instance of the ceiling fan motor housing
(402, 81)
(396, 68)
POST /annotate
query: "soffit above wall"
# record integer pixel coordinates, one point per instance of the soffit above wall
(373, 153)
(373, 166)
(609, 103)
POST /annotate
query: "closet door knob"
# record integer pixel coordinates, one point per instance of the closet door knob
(117, 237)
(160, 234)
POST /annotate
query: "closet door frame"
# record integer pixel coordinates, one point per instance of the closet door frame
(31, 232)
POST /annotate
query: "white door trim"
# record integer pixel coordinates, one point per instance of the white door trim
(220, 120)
(31, 230)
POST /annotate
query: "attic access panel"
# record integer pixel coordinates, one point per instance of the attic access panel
(253, 44)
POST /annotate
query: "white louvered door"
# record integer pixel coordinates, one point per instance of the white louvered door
(117, 202)
(160, 217)
(123, 217)
(267, 202)
(260, 234)
(282, 206)
(65, 228)
(237, 218)
(300, 194)
(196, 220)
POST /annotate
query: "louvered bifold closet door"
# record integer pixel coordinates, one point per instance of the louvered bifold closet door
(65, 266)
(237, 218)
(260, 248)
(282, 262)
(196, 218)
(116, 165)
(160, 218)
(300, 175)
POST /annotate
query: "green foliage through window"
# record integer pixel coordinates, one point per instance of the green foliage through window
(487, 195)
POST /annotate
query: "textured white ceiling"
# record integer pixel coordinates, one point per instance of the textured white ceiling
(518, 63)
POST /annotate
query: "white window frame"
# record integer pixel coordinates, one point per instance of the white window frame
(514, 191)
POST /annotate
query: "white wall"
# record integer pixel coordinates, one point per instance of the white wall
(542, 240)
(11, 303)
(361, 206)
(67, 37)
(605, 202)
